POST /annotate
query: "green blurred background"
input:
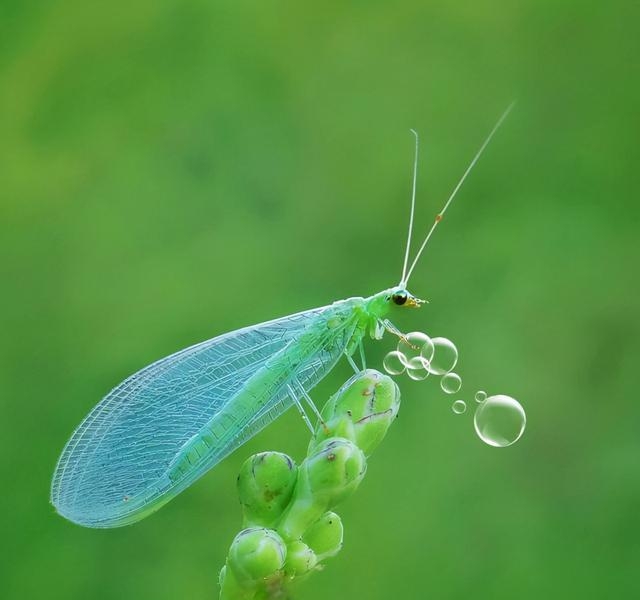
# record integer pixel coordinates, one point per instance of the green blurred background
(174, 170)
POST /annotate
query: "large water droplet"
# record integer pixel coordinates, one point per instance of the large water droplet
(451, 383)
(416, 344)
(459, 406)
(500, 421)
(394, 363)
(445, 356)
(480, 396)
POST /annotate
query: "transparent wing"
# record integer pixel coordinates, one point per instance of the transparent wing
(113, 470)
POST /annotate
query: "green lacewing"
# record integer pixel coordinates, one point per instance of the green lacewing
(164, 426)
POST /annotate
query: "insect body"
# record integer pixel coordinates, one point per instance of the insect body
(166, 425)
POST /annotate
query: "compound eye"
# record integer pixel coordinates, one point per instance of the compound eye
(400, 298)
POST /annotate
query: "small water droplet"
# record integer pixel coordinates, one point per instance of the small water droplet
(451, 383)
(500, 421)
(417, 368)
(417, 374)
(416, 344)
(418, 362)
(480, 396)
(445, 356)
(394, 363)
(459, 406)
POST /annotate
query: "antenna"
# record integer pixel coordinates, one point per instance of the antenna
(413, 206)
(440, 215)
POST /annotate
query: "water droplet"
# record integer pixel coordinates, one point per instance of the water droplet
(445, 356)
(427, 350)
(459, 406)
(417, 374)
(394, 363)
(500, 421)
(417, 368)
(416, 344)
(451, 383)
(418, 362)
(480, 396)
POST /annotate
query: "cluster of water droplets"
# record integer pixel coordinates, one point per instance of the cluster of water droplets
(498, 420)
(419, 356)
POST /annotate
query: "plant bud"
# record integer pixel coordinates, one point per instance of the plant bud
(230, 589)
(324, 537)
(265, 486)
(300, 559)
(325, 478)
(256, 553)
(361, 411)
(335, 470)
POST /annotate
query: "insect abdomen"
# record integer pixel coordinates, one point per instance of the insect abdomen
(264, 391)
(202, 445)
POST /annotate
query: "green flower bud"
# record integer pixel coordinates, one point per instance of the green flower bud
(256, 553)
(290, 529)
(300, 559)
(335, 470)
(230, 589)
(265, 486)
(361, 411)
(325, 478)
(324, 537)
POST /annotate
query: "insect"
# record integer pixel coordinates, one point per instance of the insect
(163, 427)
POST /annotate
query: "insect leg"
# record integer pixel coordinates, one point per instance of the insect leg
(312, 404)
(303, 414)
(391, 328)
(362, 358)
(352, 363)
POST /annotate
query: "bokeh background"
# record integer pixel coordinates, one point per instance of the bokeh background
(173, 170)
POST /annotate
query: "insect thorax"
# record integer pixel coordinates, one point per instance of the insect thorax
(370, 313)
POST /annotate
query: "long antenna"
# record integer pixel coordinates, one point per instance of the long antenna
(440, 215)
(413, 206)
